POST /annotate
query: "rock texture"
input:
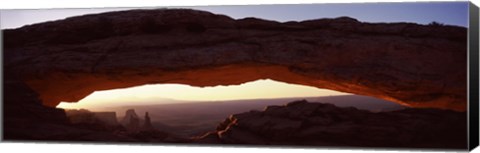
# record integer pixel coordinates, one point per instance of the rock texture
(66, 60)
(24, 116)
(317, 124)
(131, 121)
(87, 117)
(28, 120)
(109, 118)
(147, 123)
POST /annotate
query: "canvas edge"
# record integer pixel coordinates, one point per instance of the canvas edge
(473, 80)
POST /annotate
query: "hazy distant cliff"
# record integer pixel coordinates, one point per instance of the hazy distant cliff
(133, 123)
(86, 116)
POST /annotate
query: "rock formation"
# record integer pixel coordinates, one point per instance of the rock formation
(317, 124)
(26, 119)
(410, 64)
(95, 121)
(147, 124)
(24, 116)
(66, 60)
(109, 118)
(86, 116)
(131, 121)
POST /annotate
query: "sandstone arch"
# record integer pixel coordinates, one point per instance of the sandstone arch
(414, 65)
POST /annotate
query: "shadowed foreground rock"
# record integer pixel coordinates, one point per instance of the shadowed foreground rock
(316, 124)
(66, 60)
(26, 119)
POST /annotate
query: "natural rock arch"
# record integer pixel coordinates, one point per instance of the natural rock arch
(66, 60)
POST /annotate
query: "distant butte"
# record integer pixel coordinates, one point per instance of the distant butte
(66, 60)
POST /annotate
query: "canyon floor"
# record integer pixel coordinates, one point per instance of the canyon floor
(190, 119)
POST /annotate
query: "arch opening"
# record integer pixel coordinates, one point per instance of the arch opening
(182, 93)
(74, 87)
(191, 111)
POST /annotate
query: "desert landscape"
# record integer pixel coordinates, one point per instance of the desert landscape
(407, 81)
(274, 122)
(191, 119)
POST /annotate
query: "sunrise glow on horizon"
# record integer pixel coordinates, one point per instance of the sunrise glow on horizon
(178, 93)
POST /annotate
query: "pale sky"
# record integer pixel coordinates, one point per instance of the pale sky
(451, 13)
(176, 93)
